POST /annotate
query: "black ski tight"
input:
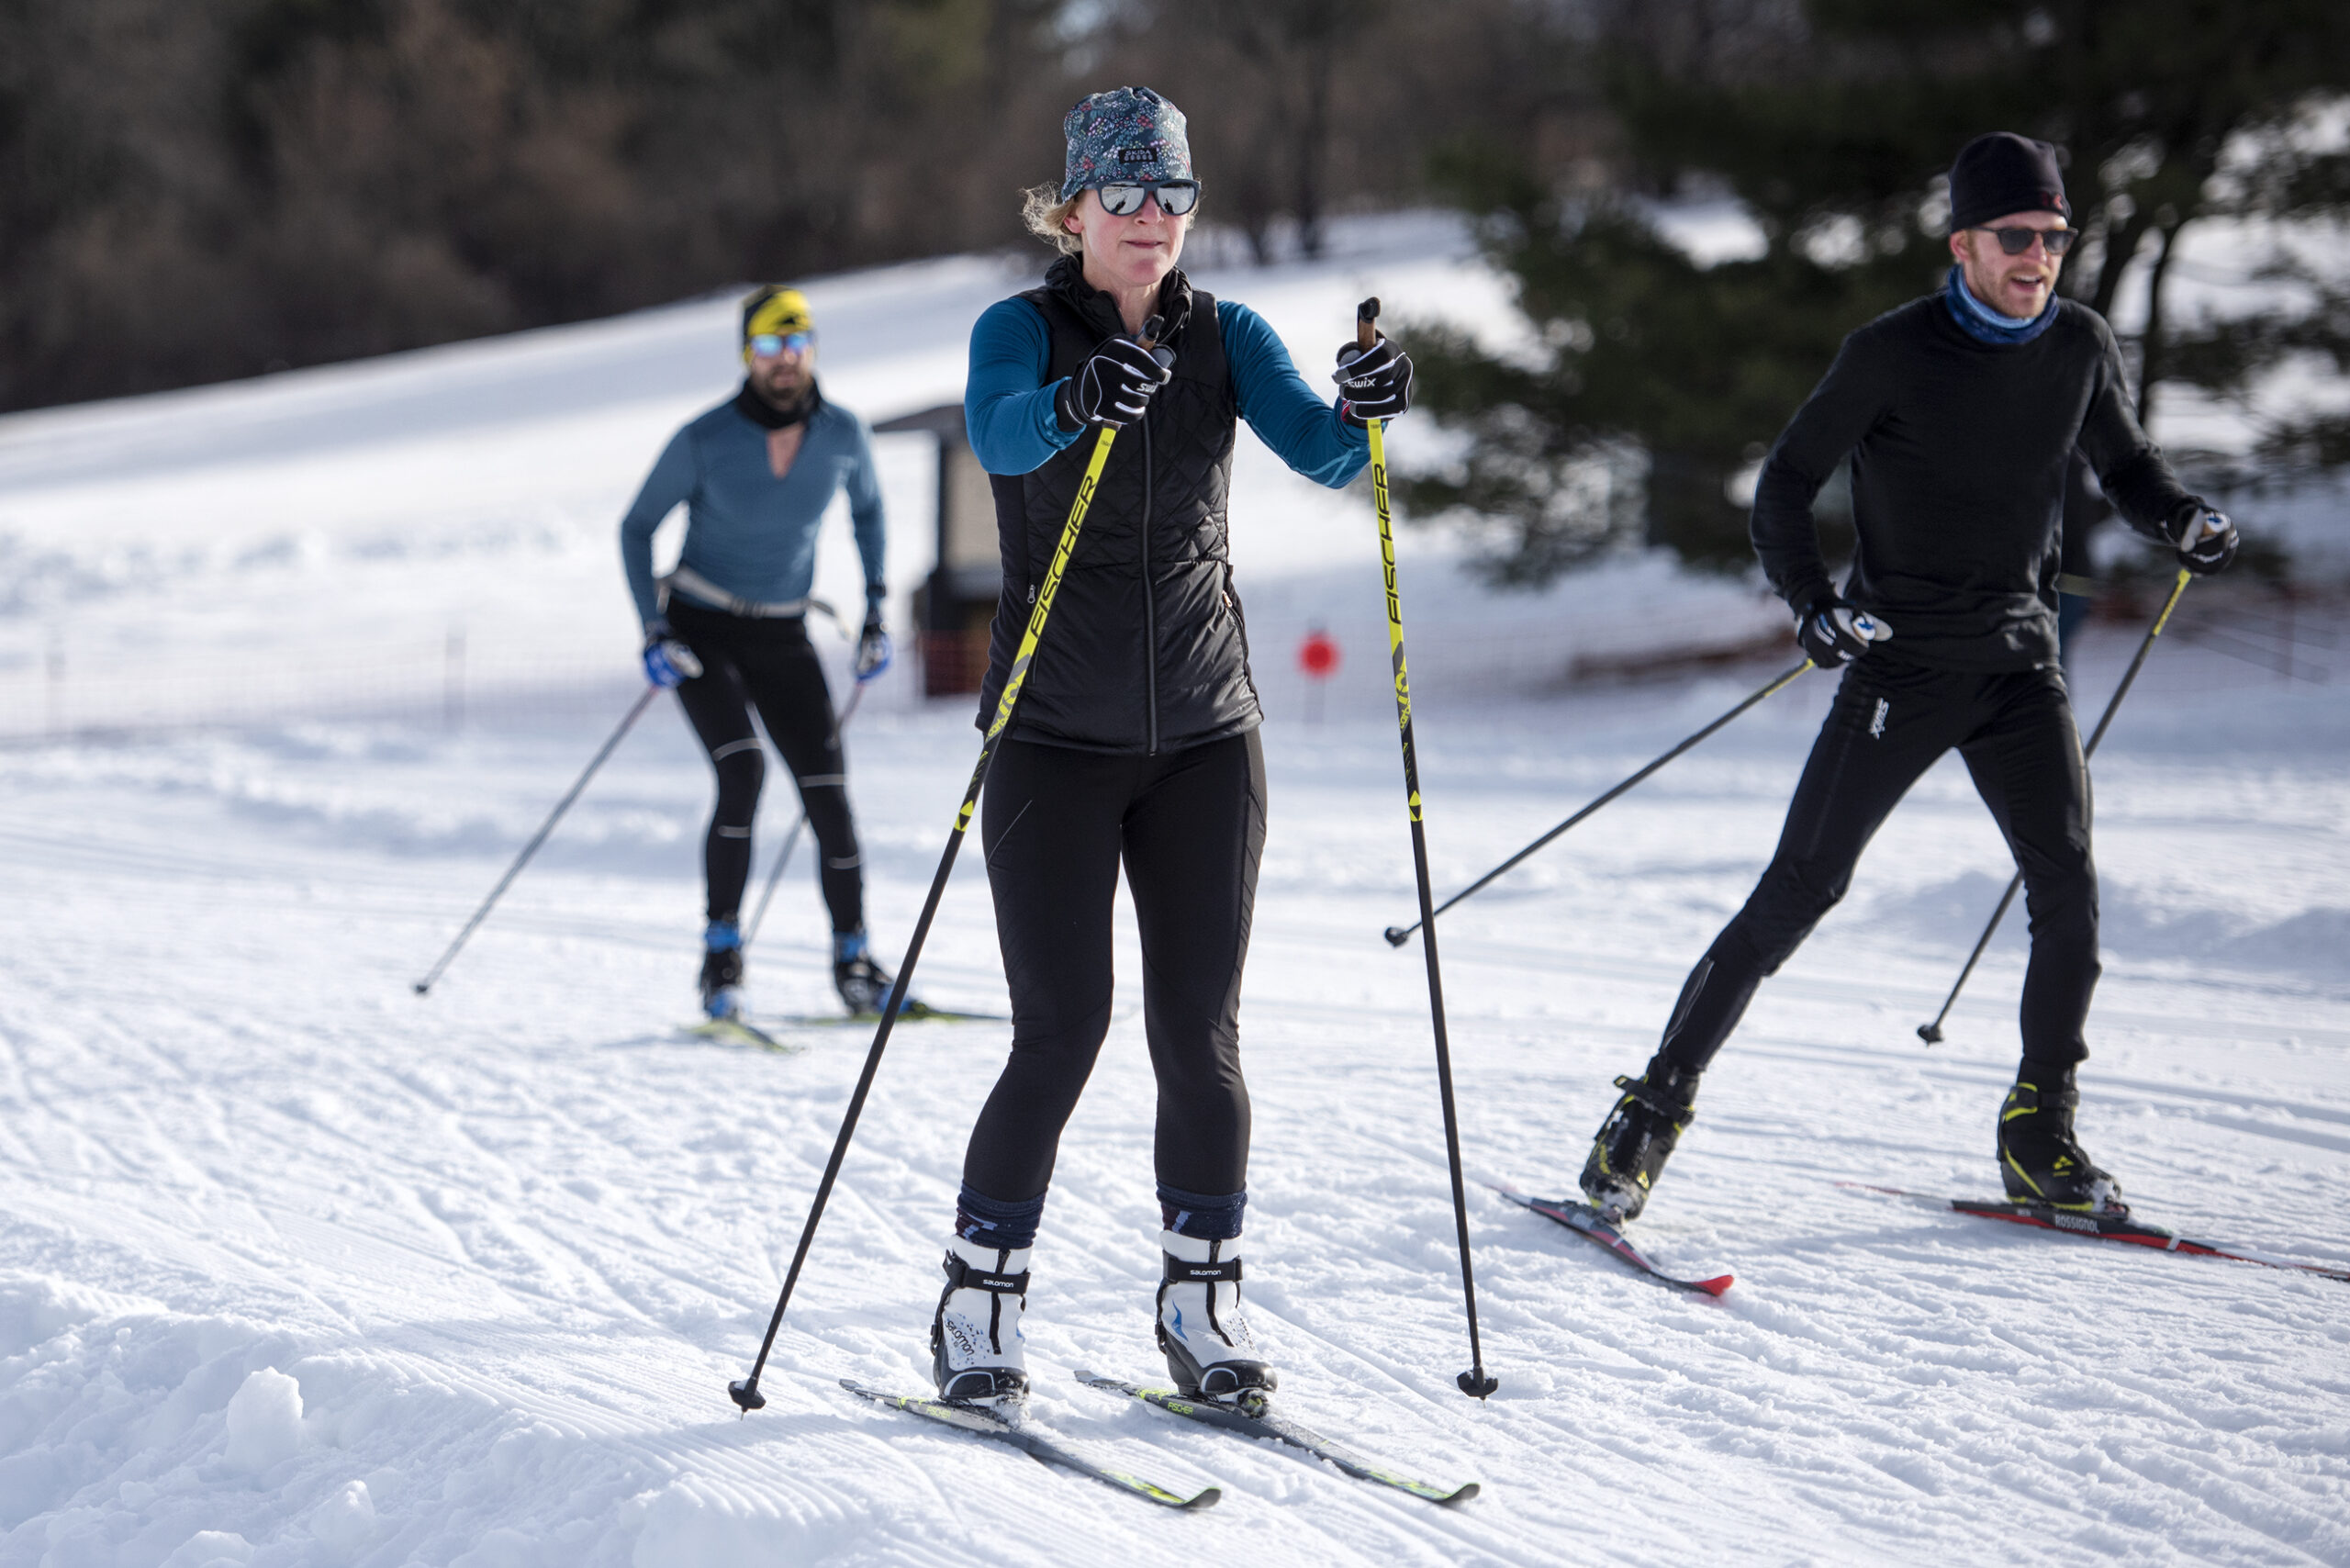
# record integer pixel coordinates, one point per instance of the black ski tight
(1890, 723)
(768, 664)
(1189, 828)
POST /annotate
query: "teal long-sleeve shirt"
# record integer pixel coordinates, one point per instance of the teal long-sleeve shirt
(746, 531)
(1008, 404)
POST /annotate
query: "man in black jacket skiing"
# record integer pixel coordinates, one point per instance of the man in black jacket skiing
(1960, 412)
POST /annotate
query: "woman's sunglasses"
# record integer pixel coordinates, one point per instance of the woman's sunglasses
(2015, 241)
(1176, 198)
(767, 345)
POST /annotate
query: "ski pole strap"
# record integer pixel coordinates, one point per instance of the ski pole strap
(1178, 1269)
(962, 1276)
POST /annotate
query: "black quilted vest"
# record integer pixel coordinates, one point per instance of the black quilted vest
(1144, 650)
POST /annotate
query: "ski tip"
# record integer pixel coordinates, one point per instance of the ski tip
(1714, 1286)
(1460, 1493)
(1207, 1498)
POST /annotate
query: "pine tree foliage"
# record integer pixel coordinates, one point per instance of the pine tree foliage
(1650, 383)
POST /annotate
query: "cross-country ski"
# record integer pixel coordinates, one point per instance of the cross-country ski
(2102, 1225)
(1590, 1224)
(1020, 1433)
(1262, 1421)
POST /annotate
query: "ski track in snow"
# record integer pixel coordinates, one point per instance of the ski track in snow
(299, 1269)
(512, 1240)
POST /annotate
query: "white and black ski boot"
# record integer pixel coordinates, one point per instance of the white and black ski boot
(978, 1355)
(2040, 1159)
(1638, 1138)
(1209, 1352)
(721, 970)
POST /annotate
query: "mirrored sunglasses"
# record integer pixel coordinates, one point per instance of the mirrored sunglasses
(767, 345)
(2015, 241)
(1176, 198)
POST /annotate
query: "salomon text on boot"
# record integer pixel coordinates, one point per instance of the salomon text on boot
(1638, 1138)
(1209, 1352)
(2040, 1159)
(978, 1353)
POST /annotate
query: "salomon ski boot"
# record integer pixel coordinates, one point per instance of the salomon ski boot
(978, 1355)
(1209, 1352)
(1638, 1138)
(2040, 1159)
(721, 970)
(864, 985)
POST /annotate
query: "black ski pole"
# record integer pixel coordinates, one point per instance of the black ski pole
(1932, 1032)
(538, 838)
(745, 1392)
(791, 839)
(1398, 934)
(1474, 1383)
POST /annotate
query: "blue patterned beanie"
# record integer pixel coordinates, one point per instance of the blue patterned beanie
(1124, 134)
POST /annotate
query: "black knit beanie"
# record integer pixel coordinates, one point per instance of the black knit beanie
(2003, 172)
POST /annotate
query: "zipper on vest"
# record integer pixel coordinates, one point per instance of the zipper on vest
(1149, 609)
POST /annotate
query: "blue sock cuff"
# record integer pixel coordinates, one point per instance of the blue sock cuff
(1202, 1215)
(994, 1222)
(848, 945)
(722, 936)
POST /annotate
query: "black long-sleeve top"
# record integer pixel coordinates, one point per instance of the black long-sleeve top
(1959, 449)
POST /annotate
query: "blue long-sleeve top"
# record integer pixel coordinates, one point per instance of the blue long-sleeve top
(746, 531)
(1008, 404)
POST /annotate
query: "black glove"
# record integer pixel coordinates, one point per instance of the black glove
(1114, 387)
(872, 643)
(2206, 540)
(1834, 633)
(1373, 383)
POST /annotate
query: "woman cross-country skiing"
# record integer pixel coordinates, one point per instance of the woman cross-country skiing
(727, 630)
(1135, 740)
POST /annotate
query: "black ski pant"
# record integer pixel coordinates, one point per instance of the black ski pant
(1889, 723)
(1189, 828)
(768, 664)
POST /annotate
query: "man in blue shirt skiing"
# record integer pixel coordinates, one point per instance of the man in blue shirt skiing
(727, 630)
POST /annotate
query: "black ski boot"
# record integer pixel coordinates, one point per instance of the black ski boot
(722, 982)
(864, 985)
(2040, 1159)
(1638, 1138)
(977, 1354)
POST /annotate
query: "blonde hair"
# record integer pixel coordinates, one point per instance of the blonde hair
(1046, 214)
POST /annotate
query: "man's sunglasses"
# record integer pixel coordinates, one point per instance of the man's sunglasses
(767, 345)
(1176, 198)
(2015, 241)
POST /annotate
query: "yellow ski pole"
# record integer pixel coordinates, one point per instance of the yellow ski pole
(1474, 1383)
(745, 1392)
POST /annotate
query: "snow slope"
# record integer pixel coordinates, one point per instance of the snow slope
(297, 1267)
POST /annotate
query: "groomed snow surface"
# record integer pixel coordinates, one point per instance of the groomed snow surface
(297, 1268)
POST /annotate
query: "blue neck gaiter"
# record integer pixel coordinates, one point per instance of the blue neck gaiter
(1985, 325)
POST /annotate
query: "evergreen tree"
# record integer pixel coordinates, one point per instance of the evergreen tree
(1654, 383)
